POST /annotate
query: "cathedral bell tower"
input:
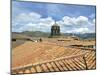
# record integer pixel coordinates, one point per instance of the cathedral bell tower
(55, 30)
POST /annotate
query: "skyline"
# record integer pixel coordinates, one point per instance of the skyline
(39, 16)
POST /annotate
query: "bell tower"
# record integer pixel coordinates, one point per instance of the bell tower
(55, 30)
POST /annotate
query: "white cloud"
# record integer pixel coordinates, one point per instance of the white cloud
(80, 24)
(68, 20)
(81, 20)
(92, 15)
(94, 21)
(81, 30)
(35, 22)
(31, 21)
(27, 17)
(46, 21)
(35, 15)
(78, 30)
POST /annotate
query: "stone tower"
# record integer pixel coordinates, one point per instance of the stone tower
(55, 30)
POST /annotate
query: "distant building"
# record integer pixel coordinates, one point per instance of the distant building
(55, 30)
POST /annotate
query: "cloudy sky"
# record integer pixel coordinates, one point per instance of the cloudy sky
(32, 16)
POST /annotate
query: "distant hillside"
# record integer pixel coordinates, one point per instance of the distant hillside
(36, 34)
(44, 34)
(87, 36)
(18, 35)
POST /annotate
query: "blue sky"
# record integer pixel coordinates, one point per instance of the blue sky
(32, 16)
